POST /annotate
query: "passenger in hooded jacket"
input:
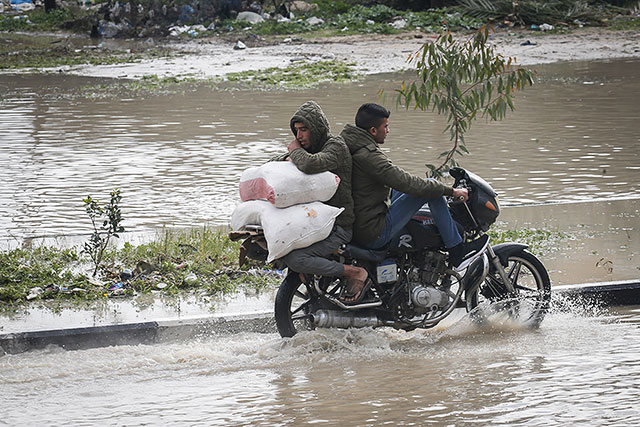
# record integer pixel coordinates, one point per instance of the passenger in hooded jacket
(315, 150)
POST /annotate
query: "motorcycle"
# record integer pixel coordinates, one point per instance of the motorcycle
(413, 286)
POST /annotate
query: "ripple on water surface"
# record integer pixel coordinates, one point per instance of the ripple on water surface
(579, 367)
(177, 158)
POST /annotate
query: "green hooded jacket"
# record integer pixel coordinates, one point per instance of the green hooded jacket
(372, 179)
(327, 153)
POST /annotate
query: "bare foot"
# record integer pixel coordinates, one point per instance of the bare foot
(357, 278)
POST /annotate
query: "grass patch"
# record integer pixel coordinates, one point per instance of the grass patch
(379, 19)
(540, 241)
(202, 262)
(22, 270)
(296, 76)
(61, 18)
(270, 27)
(341, 18)
(625, 23)
(176, 262)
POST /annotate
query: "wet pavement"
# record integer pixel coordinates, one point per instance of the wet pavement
(579, 367)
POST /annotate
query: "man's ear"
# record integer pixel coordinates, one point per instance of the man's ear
(373, 131)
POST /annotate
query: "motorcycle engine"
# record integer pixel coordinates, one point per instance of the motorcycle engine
(424, 296)
(430, 266)
(427, 298)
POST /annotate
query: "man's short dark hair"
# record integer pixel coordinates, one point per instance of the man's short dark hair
(371, 115)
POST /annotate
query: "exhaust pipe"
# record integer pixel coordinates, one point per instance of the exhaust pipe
(339, 319)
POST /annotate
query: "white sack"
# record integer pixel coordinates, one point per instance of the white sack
(284, 185)
(289, 228)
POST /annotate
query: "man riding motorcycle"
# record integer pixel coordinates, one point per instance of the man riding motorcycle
(386, 197)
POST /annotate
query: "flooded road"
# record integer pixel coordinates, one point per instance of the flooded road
(581, 367)
(177, 158)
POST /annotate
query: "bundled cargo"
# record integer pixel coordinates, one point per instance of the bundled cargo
(287, 229)
(283, 185)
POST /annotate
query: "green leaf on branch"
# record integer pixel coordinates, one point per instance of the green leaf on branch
(459, 79)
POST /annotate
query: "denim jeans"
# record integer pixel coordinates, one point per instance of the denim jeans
(404, 207)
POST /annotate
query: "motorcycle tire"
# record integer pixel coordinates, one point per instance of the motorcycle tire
(530, 280)
(293, 304)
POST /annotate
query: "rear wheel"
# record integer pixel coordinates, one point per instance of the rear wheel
(294, 303)
(532, 287)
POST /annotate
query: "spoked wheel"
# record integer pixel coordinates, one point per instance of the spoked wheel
(296, 301)
(532, 286)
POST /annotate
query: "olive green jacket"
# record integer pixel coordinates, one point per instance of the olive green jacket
(372, 179)
(327, 153)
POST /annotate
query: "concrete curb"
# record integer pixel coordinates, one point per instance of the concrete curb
(137, 333)
(605, 293)
(625, 292)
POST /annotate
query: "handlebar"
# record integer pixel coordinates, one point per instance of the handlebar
(460, 184)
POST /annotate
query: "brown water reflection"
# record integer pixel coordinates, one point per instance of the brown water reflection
(580, 368)
(604, 243)
(177, 158)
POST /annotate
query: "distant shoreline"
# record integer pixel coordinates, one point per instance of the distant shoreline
(370, 54)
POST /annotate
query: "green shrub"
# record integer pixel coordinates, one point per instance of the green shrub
(14, 23)
(329, 9)
(529, 12)
(275, 27)
(39, 20)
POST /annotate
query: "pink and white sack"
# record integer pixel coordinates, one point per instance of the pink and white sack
(283, 185)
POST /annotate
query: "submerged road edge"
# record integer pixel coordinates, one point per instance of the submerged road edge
(618, 293)
(153, 332)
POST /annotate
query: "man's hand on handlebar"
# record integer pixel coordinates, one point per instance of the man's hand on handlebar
(460, 194)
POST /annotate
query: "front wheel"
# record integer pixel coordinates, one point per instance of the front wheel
(529, 278)
(294, 303)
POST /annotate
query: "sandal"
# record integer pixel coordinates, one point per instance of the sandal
(357, 296)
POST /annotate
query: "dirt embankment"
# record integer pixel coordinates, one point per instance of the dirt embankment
(206, 58)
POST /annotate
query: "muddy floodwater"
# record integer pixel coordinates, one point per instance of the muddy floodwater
(568, 159)
(571, 150)
(580, 368)
(177, 158)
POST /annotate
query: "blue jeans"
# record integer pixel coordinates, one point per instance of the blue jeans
(404, 207)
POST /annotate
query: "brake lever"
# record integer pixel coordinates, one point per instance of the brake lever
(456, 200)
